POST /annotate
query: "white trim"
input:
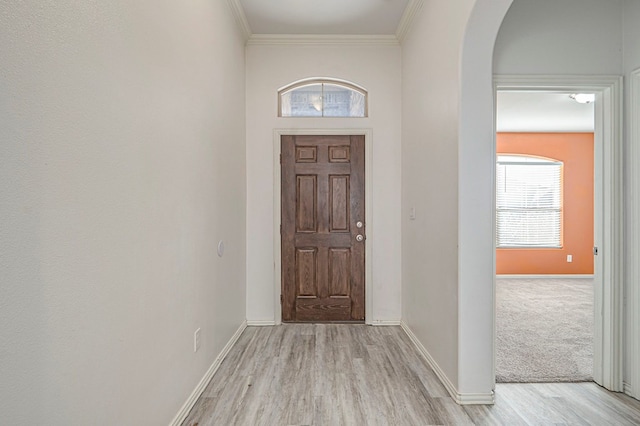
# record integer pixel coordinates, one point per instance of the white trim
(633, 300)
(193, 398)
(628, 389)
(322, 40)
(241, 18)
(453, 392)
(459, 398)
(609, 213)
(319, 80)
(260, 323)
(406, 22)
(368, 194)
(549, 276)
(385, 323)
(475, 398)
(345, 84)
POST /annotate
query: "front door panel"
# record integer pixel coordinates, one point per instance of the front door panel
(322, 245)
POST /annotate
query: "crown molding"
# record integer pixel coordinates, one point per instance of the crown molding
(241, 18)
(408, 16)
(322, 39)
(410, 12)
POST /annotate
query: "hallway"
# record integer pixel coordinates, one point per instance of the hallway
(141, 207)
(336, 374)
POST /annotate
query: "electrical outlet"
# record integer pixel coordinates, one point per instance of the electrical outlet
(569, 258)
(196, 340)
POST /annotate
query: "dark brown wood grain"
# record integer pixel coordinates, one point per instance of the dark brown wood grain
(339, 203)
(357, 213)
(339, 268)
(322, 200)
(339, 154)
(323, 310)
(306, 203)
(306, 266)
(288, 223)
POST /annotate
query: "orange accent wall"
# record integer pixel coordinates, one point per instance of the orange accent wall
(575, 150)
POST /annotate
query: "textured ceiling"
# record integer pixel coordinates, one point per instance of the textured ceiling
(326, 17)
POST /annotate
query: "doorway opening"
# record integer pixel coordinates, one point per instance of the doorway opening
(607, 213)
(544, 237)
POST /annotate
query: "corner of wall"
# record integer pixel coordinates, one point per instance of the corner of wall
(459, 398)
(200, 387)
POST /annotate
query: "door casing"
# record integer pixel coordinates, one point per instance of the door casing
(608, 212)
(277, 249)
(633, 268)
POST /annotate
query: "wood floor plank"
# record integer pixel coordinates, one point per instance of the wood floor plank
(451, 413)
(353, 374)
(493, 415)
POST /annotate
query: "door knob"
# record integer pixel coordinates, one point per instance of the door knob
(359, 238)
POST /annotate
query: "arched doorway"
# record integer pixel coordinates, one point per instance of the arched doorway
(476, 260)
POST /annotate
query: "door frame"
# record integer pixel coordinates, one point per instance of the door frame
(608, 211)
(368, 180)
(633, 278)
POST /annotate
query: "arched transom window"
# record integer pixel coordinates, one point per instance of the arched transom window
(322, 98)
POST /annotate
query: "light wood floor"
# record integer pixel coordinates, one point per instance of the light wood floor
(326, 374)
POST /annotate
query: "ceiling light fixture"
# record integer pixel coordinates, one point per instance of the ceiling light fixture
(583, 98)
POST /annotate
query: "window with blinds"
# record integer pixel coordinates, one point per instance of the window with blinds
(528, 202)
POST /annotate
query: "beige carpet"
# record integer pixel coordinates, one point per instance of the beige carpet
(544, 330)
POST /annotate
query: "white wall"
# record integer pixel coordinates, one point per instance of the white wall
(430, 89)
(376, 68)
(476, 162)
(122, 165)
(560, 37)
(631, 62)
(631, 36)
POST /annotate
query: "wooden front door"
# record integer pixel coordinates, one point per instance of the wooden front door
(323, 228)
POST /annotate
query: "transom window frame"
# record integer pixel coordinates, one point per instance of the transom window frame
(532, 160)
(317, 80)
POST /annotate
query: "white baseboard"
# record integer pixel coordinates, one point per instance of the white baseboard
(459, 398)
(265, 323)
(476, 398)
(384, 322)
(193, 398)
(550, 276)
(432, 363)
(260, 323)
(628, 390)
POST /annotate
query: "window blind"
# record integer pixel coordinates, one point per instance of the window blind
(528, 202)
